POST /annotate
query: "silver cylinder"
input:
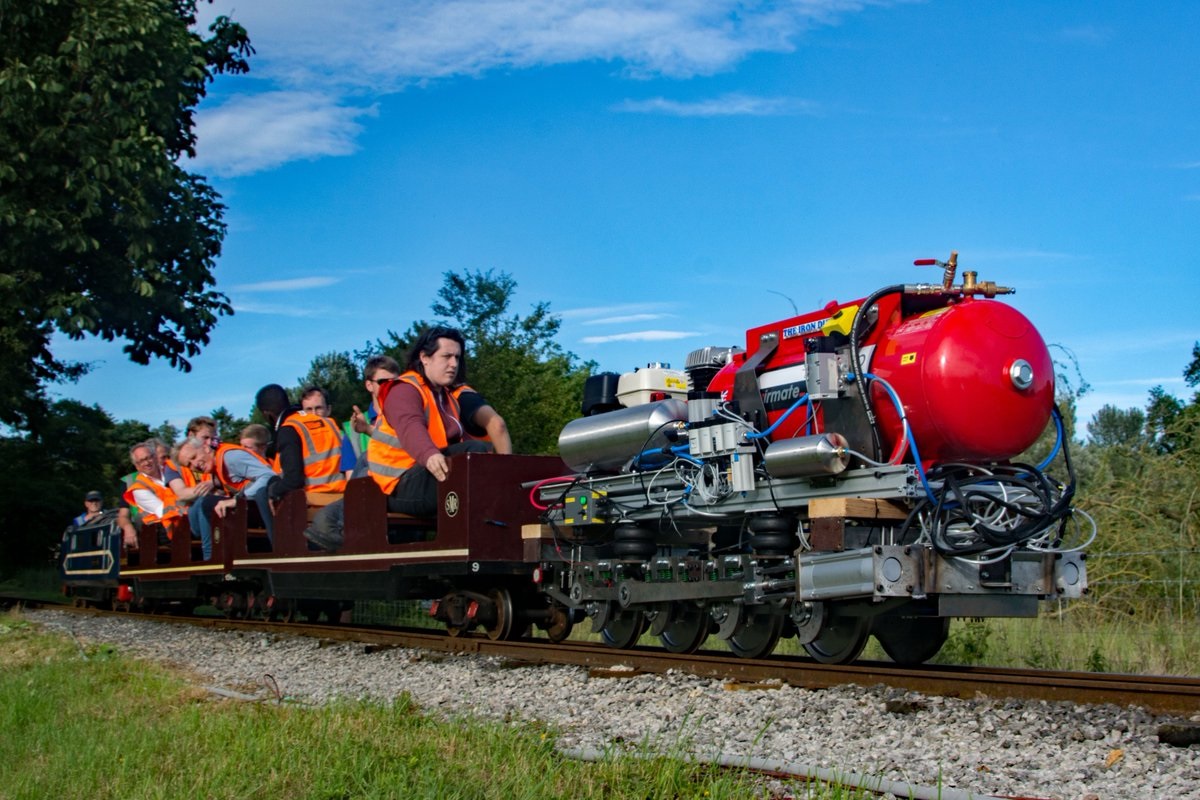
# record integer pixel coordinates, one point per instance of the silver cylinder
(604, 442)
(824, 454)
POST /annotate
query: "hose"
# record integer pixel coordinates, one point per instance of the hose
(864, 394)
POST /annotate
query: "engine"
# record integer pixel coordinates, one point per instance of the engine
(850, 471)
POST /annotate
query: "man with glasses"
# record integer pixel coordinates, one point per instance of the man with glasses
(149, 490)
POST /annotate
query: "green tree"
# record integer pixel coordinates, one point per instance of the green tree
(102, 232)
(229, 427)
(514, 361)
(1113, 427)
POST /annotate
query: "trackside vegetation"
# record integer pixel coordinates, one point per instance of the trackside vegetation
(84, 721)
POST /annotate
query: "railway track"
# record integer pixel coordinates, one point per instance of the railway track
(1161, 694)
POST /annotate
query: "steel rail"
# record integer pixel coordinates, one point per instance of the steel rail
(1161, 694)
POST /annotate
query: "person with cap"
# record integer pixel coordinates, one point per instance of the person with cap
(93, 507)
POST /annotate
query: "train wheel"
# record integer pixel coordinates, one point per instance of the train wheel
(502, 628)
(841, 639)
(912, 640)
(686, 629)
(756, 635)
(623, 629)
(558, 625)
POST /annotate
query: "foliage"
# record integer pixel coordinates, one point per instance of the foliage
(514, 361)
(229, 427)
(43, 478)
(103, 232)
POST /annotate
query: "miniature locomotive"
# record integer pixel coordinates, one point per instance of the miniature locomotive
(849, 472)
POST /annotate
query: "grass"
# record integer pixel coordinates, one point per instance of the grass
(88, 722)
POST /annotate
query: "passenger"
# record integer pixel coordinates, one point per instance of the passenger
(315, 400)
(482, 422)
(93, 507)
(430, 424)
(307, 446)
(236, 471)
(359, 428)
(149, 490)
(195, 493)
(255, 437)
(421, 424)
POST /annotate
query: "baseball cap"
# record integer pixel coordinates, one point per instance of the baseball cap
(93, 496)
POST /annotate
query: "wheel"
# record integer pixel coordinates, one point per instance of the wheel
(686, 629)
(502, 628)
(756, 635)
(558, 626)
(841, 639)
(912, 640)
(623, 629)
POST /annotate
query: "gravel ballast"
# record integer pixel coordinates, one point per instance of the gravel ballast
(984, 745)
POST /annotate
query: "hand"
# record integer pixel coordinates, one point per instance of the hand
(358, 421)
(438, 466)
(202, 488)
(224, 506)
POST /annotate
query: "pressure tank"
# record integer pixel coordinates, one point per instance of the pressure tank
(976, 380)
(605, 442)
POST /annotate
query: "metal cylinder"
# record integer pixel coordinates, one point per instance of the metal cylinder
(604, 442)
(824, 454)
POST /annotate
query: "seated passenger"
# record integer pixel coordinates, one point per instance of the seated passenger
(421, 424)
(237, 472)
(255, 438)
(149, 490)
(358, 430)
(307, 446)
(93, 503)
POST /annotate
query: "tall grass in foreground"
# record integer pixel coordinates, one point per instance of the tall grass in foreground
(88, 723)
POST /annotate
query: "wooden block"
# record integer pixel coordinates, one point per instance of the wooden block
(855, 508)
(535, 531)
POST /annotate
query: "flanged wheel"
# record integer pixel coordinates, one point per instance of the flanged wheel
(558, 625)
(623, 629)
(686, 629)
(911, 640)
(502, 628)
(756, 635)
(841, 639)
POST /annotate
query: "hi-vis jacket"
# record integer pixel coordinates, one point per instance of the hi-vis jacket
(387, 460)
(221, 474)
(170, 505)
(321, 442)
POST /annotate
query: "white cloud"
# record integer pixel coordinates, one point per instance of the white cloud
(1088, 34)
(288, 284)
(625, 319)
(601, 311)
(250, 133)
(387, 44)
(279, 309)
(312, 55)
(639, 336)
(725, 106)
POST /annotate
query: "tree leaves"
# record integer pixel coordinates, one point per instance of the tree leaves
(110, 235)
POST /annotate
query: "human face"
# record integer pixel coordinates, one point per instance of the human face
(380, 376)
(314, 404)
(197, 458)
(254, 445)
(441, 368)
(145, 460)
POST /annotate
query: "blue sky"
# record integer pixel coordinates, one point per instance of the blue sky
(668, 174)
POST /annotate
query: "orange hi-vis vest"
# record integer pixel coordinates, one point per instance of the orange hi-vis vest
(456, 392)
(190, 477)
(170, 510)
(321, 443)
(386, 459)
(221, 475)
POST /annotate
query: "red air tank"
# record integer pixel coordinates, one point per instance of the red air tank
(975, 378)
(973, 374)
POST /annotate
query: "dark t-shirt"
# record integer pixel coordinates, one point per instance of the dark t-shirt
(468, 404)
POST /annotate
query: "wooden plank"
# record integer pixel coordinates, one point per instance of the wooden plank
(855, 508)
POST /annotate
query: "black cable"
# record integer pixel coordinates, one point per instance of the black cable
(857, 366)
